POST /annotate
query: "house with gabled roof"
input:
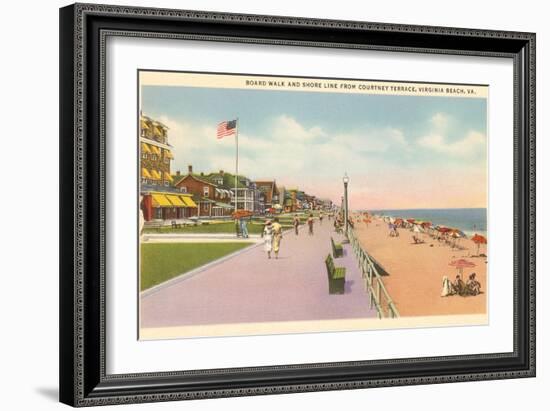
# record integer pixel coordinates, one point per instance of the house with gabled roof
(212, 200)
(247, 193)
(269, 193)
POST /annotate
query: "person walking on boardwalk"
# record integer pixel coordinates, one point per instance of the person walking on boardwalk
(296, 224)
(277, 236)
(267, 235)
(244, 228)
(321, 218)
(310, 224)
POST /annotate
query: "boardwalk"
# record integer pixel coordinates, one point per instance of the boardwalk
(250, 288)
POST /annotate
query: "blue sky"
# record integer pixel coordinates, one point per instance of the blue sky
(309, 139)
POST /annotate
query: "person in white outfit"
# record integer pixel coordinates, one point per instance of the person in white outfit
(267, 235)
(447, 287)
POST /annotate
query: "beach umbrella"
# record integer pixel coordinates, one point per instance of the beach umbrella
(410, 220)
(461, 264)
(416, 229)
(455, 236)
(479, 239)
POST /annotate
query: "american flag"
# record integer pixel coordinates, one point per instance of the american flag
(226, 128)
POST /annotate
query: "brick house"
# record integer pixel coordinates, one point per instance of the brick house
(212, 200)
(163, 203)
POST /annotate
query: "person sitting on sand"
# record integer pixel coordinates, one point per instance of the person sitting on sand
(447, 287)
(458, 286)
(472, 285)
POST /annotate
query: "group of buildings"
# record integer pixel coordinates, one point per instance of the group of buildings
(180, 195)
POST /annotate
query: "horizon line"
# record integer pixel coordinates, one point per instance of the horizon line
(423, 208)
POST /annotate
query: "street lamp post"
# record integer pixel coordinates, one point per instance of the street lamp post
(346, 211)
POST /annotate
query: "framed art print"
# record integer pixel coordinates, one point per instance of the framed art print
(259, 204)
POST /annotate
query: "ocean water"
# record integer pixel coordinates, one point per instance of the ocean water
(469, 220)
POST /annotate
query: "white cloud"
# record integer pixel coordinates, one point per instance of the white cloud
(287, 128)
(471, 144)
(437, 140)
(288, 151)
(440, 121)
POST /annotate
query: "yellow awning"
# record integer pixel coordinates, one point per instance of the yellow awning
(188, 201)
(168, 154)
(144, 125)
(156, 175)
(160, 200)
(158, 131)
(175, 200)
(145, 173)
(145, 148)
(155, 149)
(167, 176)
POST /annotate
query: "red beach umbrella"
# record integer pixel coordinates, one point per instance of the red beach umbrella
(479, 239)
(461, 264)
(410, 220)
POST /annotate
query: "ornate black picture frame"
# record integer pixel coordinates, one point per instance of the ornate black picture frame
(83, 31)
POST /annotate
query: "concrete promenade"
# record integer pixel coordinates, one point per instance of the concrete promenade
(249, 287)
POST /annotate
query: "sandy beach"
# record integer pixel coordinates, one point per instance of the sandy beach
(416, 270)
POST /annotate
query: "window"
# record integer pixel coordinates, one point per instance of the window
(206, 191)
(183, 189)
(144, 156)
(153, 157)
(166, 183)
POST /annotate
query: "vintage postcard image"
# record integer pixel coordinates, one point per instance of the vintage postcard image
(271, 205)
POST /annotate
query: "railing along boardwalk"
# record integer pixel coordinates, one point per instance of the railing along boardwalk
(374, 286)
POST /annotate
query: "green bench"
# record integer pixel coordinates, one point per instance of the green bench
(154, 224)
(337, 249)
(336, 277)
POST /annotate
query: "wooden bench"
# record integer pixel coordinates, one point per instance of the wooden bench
(154, 225)
(336, 276)
(337, 249)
